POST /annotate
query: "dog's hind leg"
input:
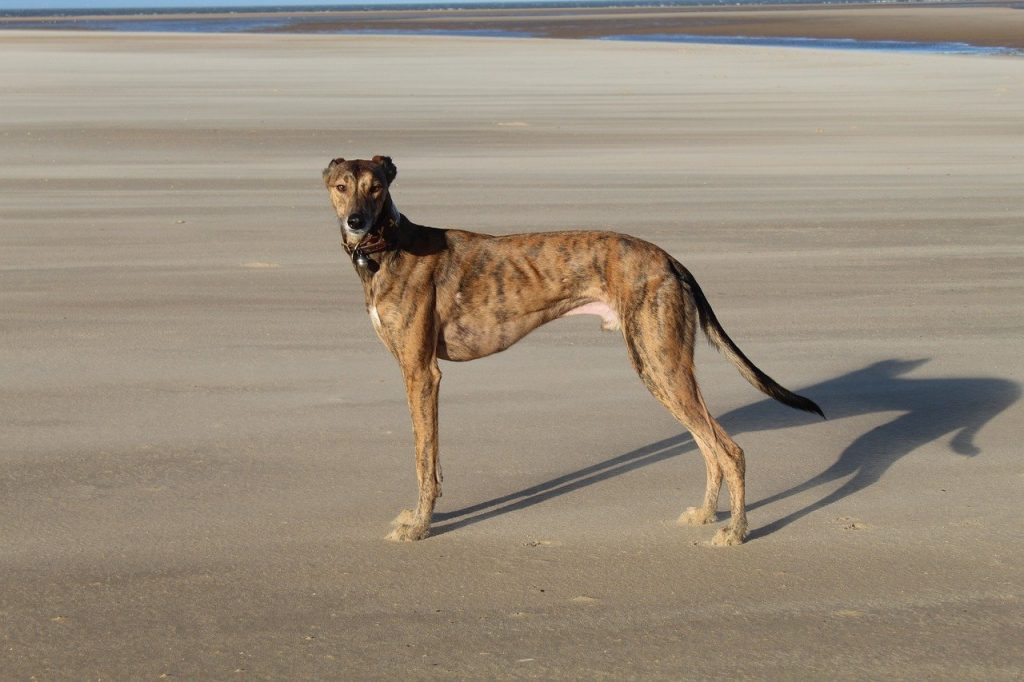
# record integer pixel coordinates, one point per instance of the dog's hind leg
(730, 462)
(708, 511)
(659, 336)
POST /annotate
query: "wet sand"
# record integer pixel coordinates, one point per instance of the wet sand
(998, 24)
(203, 441)
(988, 26)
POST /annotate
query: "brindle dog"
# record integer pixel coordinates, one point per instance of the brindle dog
(434, 293)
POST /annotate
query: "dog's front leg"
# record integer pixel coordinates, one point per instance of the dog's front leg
(422, 380)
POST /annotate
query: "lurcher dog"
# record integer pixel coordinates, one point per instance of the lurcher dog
(453, 295)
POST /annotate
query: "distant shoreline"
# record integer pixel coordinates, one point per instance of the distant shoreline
(485, 5)
(941, 27)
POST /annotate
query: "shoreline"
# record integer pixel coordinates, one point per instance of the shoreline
(983, 26)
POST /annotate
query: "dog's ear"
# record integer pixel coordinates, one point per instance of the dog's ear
(330, 167)
(390, 169)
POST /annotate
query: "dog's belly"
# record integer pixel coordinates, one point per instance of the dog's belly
(471, 337)
(609, 318)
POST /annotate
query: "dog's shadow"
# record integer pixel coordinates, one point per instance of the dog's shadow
(930, 409)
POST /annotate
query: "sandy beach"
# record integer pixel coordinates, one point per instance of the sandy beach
(203, 442)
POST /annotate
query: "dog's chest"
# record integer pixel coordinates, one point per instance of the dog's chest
(375, 318)
(378, 325)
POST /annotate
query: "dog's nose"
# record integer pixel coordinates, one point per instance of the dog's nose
(356, 222)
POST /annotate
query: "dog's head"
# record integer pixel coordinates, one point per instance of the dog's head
(359, 193)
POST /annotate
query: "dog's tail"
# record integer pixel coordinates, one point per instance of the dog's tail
(721, 341)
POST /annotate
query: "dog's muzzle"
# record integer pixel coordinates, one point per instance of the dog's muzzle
(357, 223)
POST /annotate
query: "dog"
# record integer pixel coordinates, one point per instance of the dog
(443, 294)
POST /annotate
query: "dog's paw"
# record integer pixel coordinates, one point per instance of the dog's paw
(695, 516)
(408, 532)
(407, 528)
(728, 537)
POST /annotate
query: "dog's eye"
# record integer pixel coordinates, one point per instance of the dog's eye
(340, 188)
(376, 189)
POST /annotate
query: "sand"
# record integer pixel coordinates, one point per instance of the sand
(203, 442)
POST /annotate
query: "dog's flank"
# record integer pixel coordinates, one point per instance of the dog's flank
(455, 295)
